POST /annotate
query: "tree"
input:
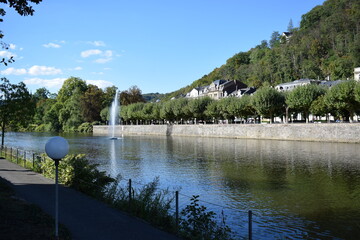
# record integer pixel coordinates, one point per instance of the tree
(91, 103)
(198, 106)
(41, 93)
(301, 98)
(132, 95)
(341, 98)
(16, 105)
(319, 107)
(274, 39)
(268, 102)
(109, 94)
(290, 27)
(71, 86)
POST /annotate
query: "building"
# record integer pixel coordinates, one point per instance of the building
(217, 89)
(291, 85)
(243, 91)
(286, 36)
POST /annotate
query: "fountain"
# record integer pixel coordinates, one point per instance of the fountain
(114, 115)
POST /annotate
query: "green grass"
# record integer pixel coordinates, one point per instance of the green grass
(22, 220)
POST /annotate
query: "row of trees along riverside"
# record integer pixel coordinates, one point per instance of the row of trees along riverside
(78, 106)
(341, 101)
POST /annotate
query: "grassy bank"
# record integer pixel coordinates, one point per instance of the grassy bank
(21, 220)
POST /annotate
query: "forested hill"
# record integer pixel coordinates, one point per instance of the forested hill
(327, 43)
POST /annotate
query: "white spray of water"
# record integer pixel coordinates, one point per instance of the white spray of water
(114, 114)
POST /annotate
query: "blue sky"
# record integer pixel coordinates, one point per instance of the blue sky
(158, 45)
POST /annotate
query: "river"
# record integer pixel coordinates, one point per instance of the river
(296, 190)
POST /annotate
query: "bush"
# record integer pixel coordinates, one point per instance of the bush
(75, 171)
(85, 127)
(148, 202)
(198, 223)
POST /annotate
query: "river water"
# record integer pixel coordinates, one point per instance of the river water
(296, 190)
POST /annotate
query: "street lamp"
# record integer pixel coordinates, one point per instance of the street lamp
(56, 148)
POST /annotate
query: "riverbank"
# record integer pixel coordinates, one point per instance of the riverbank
(318, 132)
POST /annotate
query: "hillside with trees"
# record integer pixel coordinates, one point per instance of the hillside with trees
(326, 44)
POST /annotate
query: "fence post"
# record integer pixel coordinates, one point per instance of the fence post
(250, 225)
(17, 156)
(177, 210)
(129, 193)
(5, 152)
(11, 154)
(33, 160)
(24, 159)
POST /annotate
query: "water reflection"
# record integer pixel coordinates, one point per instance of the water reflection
(297, 190)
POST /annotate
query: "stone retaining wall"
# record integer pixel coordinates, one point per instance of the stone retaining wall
(333, 132)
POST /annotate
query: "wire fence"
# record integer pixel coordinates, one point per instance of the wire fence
(178, 201)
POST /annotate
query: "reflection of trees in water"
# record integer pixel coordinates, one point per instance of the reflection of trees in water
(310, 179)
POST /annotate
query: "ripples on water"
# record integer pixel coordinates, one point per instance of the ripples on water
(297, 190)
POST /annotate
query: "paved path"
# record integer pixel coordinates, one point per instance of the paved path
(86, 218)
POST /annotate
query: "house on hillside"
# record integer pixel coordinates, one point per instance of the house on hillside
(217, 89)
(330, 84)
(195, 92)
(222, 88)
(292, 85)
(243, 91)
(285, 36)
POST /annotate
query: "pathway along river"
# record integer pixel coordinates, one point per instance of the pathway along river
(297, 190)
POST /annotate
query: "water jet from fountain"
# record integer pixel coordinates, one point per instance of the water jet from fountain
(114, 115)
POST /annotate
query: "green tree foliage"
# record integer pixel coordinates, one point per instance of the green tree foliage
(301, 98)
(16, 106)
(198, 106)
(268, 102)
(319, 107)
(109, 94)
(92, 103)
(342, 99)
(71, 86)
(132, 95)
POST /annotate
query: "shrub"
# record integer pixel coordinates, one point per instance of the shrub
(198, 223)
(148, 202)
(75, 171)
(85, 127)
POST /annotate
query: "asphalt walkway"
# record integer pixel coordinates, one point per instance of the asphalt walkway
(85, 217)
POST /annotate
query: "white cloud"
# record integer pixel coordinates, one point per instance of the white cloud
(7, 54)
(14, 71)
(49, 83)
(78, 68)
(100, 83)
(43, 70)
(90, 52)
(51, 45)
(103, 60)
(108, 53)
(12, 46)
(98, 43)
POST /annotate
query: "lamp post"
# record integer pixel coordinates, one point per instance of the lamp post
(56, 148)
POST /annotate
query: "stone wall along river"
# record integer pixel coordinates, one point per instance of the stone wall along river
(324, 132)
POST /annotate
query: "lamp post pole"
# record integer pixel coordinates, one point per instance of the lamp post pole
(57, 198)
(57, 148)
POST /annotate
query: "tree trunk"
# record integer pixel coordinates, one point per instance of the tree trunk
(2, 133)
